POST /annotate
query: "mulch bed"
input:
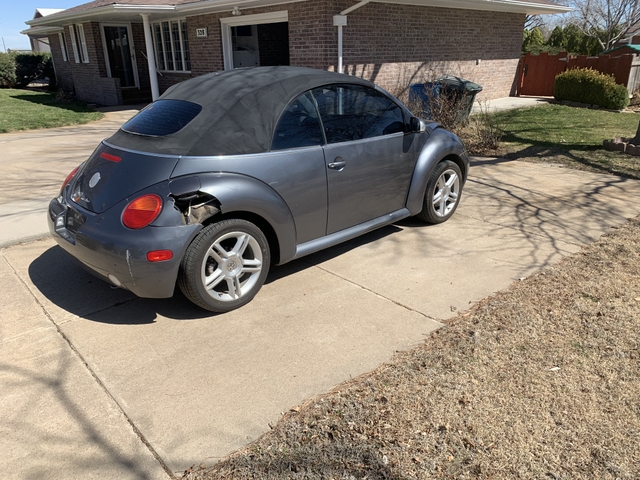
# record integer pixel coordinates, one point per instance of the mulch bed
(541, 380)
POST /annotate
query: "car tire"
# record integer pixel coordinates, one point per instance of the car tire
(443, 192)
(225, 265)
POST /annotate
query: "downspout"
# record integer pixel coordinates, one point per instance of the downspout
(151, 58)
(340, 21)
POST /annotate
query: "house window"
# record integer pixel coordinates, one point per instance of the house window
(63, 47)
(172, 46)
(79, 43)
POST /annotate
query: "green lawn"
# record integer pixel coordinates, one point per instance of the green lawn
(26, 110)
(570, 136)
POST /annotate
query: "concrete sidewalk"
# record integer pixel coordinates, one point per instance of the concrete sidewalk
(95, 383)
(508, 103)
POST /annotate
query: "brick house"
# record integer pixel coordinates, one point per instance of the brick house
(110, 53)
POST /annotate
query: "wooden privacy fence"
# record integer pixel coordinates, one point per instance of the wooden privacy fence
(536, 73)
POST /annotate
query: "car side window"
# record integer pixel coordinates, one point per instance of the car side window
(354, 112)
(298, 125)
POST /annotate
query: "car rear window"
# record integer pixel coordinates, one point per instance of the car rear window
(162, 117)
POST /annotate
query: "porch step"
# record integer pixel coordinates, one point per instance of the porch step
(135, 96)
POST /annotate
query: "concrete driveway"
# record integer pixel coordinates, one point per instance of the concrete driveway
(95, 383)
(35, 163)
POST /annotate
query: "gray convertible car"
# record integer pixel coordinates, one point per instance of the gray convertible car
(229, 172)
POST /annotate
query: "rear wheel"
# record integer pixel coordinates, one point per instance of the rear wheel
(443, 193)
(225, 266)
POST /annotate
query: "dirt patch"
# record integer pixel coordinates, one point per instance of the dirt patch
(541, 380)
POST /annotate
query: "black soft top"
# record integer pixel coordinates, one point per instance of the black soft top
(240, 109)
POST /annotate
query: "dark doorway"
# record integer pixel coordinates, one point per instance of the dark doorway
(119, 53)
(265, 44)
(273, 39)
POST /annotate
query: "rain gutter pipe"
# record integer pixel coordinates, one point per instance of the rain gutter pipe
(340, 21)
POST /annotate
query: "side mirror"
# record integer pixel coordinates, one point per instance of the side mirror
(416, 125)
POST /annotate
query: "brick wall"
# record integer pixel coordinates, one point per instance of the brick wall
(312, 37)
(88, 80)
(392, 45)
(395, 45)
(140, 47)
(88, 77)
(64, 78)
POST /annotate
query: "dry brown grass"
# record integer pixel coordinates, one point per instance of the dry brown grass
(541, 380)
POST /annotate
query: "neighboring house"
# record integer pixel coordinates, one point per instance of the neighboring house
(631, 36)
(40, 42)
(628, 43)
(622, 49)
(107, 52)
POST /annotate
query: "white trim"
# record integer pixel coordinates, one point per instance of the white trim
(513, 6)
(42, 30)
(132, 50)
(151, 60)
(215, 6)
(74, 44)
(63, 47)
(83, 43)
(155, 45)
(206, 6)
(165, 53)
(181, 40)
(228, 22)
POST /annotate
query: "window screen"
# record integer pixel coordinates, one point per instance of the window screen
(162, 117)
(352, 112)
(298, 126)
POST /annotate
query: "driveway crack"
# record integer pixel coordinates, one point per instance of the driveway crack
(100, 383)
(406, 307)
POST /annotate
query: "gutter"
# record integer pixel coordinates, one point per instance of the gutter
(340, 21)
(62, 18)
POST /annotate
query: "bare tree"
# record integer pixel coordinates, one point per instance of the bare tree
(532, 21)
(605, 20)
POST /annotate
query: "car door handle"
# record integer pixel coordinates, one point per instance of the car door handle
(338, 165)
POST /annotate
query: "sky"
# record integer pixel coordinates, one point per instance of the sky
(16, 12)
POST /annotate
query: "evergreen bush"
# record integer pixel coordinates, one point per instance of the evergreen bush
(7, 70)
(585, 85)
(31, 66)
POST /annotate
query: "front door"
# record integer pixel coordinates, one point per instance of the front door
(119, 54)
(369, 158)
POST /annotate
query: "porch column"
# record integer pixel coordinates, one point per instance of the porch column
(151, 59)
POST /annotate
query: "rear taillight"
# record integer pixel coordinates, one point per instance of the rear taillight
(159, 255)
(142, 211)
(69, 177)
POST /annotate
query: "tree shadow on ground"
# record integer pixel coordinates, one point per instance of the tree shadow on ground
(49, 100)
(591, 158)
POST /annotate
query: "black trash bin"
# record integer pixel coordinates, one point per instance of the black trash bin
(458, 90)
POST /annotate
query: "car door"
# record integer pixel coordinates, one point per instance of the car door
(369, 162)
(296, 168)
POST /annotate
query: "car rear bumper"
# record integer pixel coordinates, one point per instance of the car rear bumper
(118, 255)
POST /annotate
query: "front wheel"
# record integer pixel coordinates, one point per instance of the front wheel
(225, 266)
(442, 196)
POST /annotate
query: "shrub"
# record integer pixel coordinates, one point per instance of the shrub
(481, 133)
(7, 70)
(31, 66)
(585, 85)
(485, 131)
